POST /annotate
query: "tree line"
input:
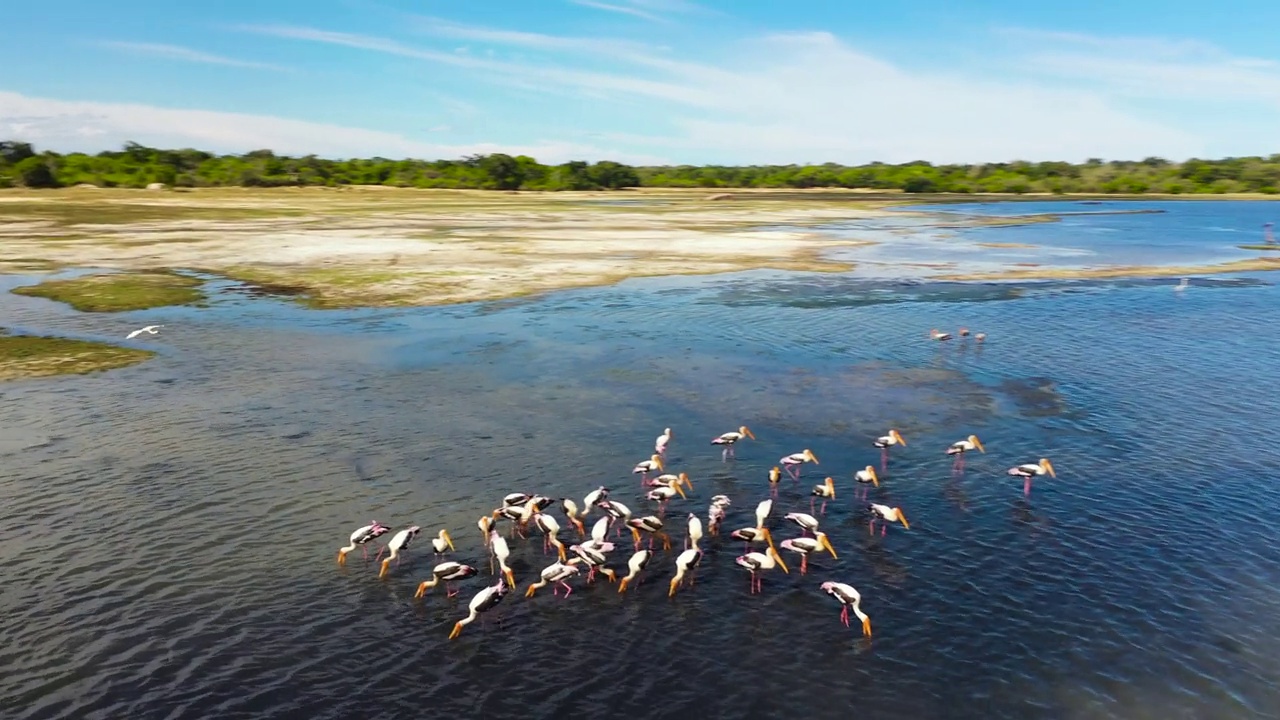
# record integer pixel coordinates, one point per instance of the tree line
(21, 165)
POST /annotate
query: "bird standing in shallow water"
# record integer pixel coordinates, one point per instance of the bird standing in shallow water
(849, 598)
(446, 572)
(644, 467)
(362, 537)
(758, 562)
(442, 542)
(637, 563)
(398, 544)
(826, 491)
(501, 552)
(803, 546)
(884, 442)
(1030, 470)
(960, 447)
(793, 462)
(685, 564)
(556, 573)
(886, 515)
(866, 476)
(660, 444)
(775, 474)
(484, 601)
(729, 439)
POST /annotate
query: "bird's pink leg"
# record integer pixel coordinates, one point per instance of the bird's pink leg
(884, 459)
(1026, 486)
(844, 615)
(884, 528)
(823, 511)
(567, 589)
(380, 549)
(804, 564)
(651, 542)
(811, 500)
(871, 526)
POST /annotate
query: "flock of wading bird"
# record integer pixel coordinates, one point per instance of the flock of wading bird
(523, 511)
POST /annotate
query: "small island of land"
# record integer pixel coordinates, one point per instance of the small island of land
(117, 292)
(30, 356)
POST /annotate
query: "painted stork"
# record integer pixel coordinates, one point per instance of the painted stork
(826, 491)
(887, 515)
(484, 601)
(729, 439)
(685, 564)
(446, 572)
(557, 572)
(660, 444)
(651, 525)
(638, 562)
(1030, 470)
(793, 462)
(960, 447)
(398, 544)
(361, 537)
(803, 546)
(849, 599)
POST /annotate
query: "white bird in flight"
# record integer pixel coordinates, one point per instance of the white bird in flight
(153, 329)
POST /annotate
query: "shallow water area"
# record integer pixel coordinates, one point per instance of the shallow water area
(168, 531)
(1121, 232)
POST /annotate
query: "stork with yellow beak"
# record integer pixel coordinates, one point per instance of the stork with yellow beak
(826, 491)
(793, 462)
(662, 495)
(498, 545)
(670, 480)
(442, 542)
(398, 544)
(960, 447)
(756, 563)
(775, 474)
(884, 442)
(446, 572)
(729, 439)
(556, 573)
(1030, 470)
(807, 522)
(574, 515)
(644, 467)
(685, 564)
(866, 476)
(849, 599)
(637, 563)
(651, 525)
(762, 512)
(485, 523)
(804, 545)
(887, 515)
(751, 535)
(550, 532)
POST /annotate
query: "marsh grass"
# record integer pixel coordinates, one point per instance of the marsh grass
(118, 292)
(29, 356)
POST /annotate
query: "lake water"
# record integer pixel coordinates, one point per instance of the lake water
(168, 532)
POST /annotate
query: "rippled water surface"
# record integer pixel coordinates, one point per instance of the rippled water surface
(168, 532)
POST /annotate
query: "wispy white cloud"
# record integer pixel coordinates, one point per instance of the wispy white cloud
(91, 126)
(440, 27)
(177, 52)
(809, 96)
(623, 9)
(1148, 67)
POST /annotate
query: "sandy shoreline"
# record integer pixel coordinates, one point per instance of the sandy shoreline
(343, 247)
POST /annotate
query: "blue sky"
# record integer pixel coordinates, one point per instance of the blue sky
(650, 81)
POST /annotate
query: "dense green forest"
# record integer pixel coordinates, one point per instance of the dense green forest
(21, 165)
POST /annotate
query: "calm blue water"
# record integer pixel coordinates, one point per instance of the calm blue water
(167, 532)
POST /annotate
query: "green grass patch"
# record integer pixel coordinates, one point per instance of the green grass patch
(30, 356)
(119, 291)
